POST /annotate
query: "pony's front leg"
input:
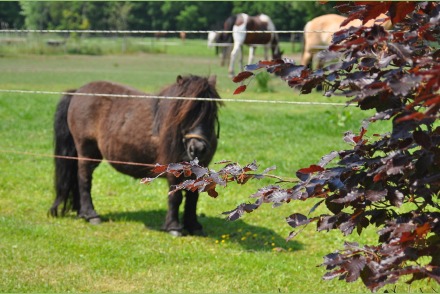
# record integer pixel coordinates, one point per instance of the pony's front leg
(86, 208)
(190, 222)
(172, 224)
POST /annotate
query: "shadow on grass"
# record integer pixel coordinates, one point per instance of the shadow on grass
(253, 238)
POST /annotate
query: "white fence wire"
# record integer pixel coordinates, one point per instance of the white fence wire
(139, 32)
(176, 98)
(155, 31)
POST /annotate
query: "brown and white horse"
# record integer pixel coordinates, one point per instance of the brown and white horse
(241, 26)
(318, 33)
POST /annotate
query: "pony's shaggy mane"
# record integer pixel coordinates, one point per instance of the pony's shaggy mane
(179, 115)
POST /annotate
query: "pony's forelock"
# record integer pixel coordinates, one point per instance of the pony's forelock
(179, 116)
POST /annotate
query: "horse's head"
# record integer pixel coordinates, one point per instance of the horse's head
(200, 140)
(190, 126)
(198, 146)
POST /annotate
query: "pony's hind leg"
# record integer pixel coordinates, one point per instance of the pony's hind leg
(85, 171)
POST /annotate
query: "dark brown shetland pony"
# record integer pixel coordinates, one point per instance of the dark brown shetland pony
(139, 130)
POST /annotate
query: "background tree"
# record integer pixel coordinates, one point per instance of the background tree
(36, 14)
(119, 14)
(154, 15)
(55, 15)
(10, 16)
(191, 19)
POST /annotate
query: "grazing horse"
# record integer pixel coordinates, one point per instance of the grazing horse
(240, 24)
(318, 33)
(133, 130)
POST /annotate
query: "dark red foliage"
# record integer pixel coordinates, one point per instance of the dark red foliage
(240, 89)
(390, 181)
(311, 169)
(397, 73)
(242, 76)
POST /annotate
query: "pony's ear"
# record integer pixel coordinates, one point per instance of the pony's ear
(212, 80)
(179, 79)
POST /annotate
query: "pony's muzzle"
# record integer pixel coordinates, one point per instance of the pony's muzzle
(196, 146)
(196, 149)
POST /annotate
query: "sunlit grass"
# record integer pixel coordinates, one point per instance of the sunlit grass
(129, 252)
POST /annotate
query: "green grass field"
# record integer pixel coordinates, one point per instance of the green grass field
(128, 252)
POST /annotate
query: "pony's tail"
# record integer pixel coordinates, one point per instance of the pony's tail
(66, 170)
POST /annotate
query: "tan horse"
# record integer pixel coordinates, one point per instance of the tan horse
(319, 31)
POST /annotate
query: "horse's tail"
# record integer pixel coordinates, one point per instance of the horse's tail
(66, 170)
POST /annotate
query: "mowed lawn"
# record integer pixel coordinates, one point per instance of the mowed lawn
(129, 252)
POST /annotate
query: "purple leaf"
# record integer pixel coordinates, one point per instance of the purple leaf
(327, 158)
(297, 219)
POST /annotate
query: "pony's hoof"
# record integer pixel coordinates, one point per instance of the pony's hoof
(199, 233)
(95, 221)
(175, 233)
